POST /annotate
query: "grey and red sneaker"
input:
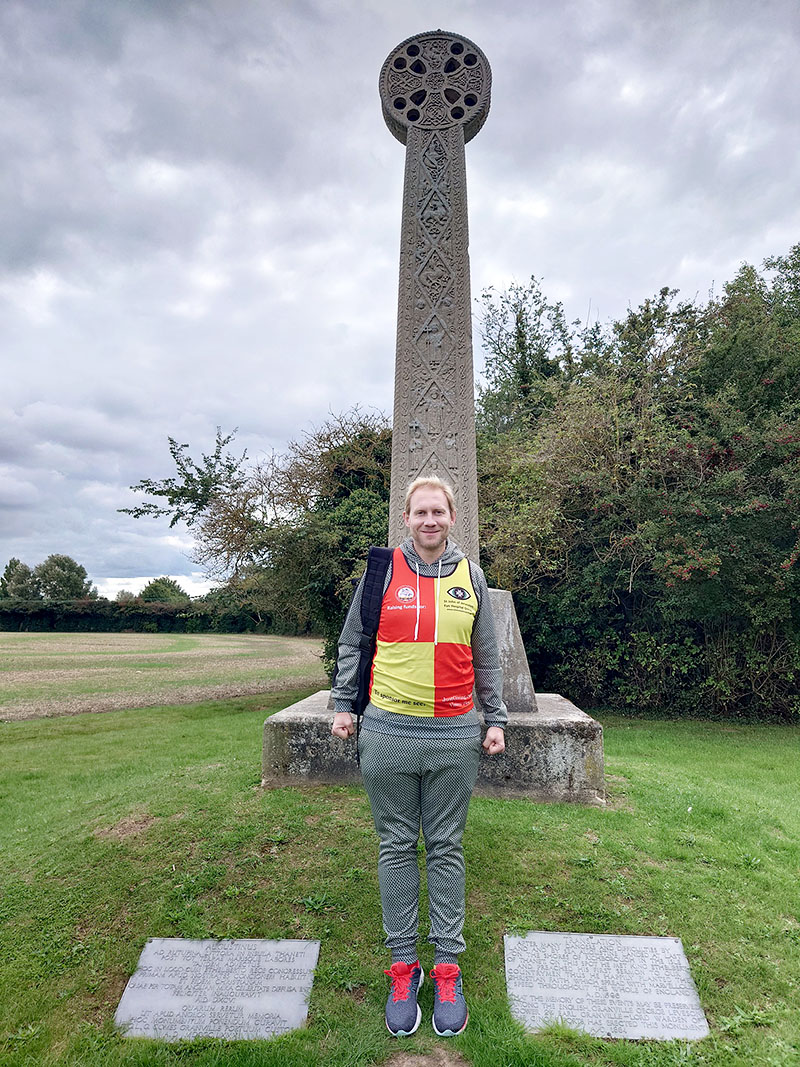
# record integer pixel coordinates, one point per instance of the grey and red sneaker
(450, 1013)
(402, 1011)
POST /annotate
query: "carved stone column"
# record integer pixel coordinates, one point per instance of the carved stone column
(435, 91)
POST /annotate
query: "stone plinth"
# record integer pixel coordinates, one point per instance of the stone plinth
(553, 754)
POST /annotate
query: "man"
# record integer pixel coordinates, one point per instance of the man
(420, 742)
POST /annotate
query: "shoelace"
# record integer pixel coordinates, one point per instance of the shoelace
(401, 983)
(446, 982)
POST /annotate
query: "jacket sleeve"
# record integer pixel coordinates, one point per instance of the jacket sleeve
(345, 686)
(486, 656)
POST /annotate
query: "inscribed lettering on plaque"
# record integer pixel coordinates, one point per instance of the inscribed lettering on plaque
(604, 984)
(182, 989)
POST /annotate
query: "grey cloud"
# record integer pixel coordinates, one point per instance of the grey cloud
(67, 439)
(15, 493)
(76, 429)
(676, 55)
(77, 128)
(201, 213)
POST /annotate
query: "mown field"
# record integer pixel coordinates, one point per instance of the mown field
(45, 674)
(152, 822)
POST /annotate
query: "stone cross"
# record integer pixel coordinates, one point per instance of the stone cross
(435, 91)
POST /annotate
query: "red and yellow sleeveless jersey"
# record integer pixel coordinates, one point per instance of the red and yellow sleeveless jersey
(423, 658)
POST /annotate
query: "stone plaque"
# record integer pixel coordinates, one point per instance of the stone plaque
(604, 984)
(182, 989)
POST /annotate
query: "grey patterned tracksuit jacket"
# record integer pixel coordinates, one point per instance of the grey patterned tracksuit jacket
(419, 772)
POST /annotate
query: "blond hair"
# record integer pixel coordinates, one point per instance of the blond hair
(430, 482)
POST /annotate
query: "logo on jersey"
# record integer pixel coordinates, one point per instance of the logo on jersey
(405, 592)
(459, 593)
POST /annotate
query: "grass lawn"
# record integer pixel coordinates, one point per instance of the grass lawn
(44, 674)
(152, 823)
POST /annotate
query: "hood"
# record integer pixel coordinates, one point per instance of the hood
(442, 568)
(450, 558)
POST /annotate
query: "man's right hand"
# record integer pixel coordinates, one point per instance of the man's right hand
(343, 725)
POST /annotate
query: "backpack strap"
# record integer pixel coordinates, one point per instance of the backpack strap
(378, 562)
(371, 600)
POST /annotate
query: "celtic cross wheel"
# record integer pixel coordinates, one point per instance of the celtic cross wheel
(433, 81)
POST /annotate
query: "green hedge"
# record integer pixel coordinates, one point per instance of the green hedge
(108, 616)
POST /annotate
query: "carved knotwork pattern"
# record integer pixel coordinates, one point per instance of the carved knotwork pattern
(434, 399)
(435, 161)
(435, 80)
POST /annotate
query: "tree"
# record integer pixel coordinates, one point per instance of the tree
(289, 535)
(529, 351)
(189, 494)
(648, 520)
(19, 582)
(294, 535)
(639, 486)
(164, 591)
(61, 578)
(125, 596)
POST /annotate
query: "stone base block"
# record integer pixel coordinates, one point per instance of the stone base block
(553, 754)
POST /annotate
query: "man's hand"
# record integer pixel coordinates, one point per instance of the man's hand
(343, 725)
(495, 741)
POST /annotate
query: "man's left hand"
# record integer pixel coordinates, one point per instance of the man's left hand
(495, 741)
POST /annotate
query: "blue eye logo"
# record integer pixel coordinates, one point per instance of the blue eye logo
(458, 593)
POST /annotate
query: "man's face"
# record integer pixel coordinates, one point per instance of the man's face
(429, 521)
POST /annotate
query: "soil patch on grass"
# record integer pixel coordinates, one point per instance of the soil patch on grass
(441, 1057)
(128, 825)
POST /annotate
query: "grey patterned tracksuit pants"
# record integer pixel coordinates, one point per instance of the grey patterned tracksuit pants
(411, 783)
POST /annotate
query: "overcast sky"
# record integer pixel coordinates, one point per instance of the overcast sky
(200, 215)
